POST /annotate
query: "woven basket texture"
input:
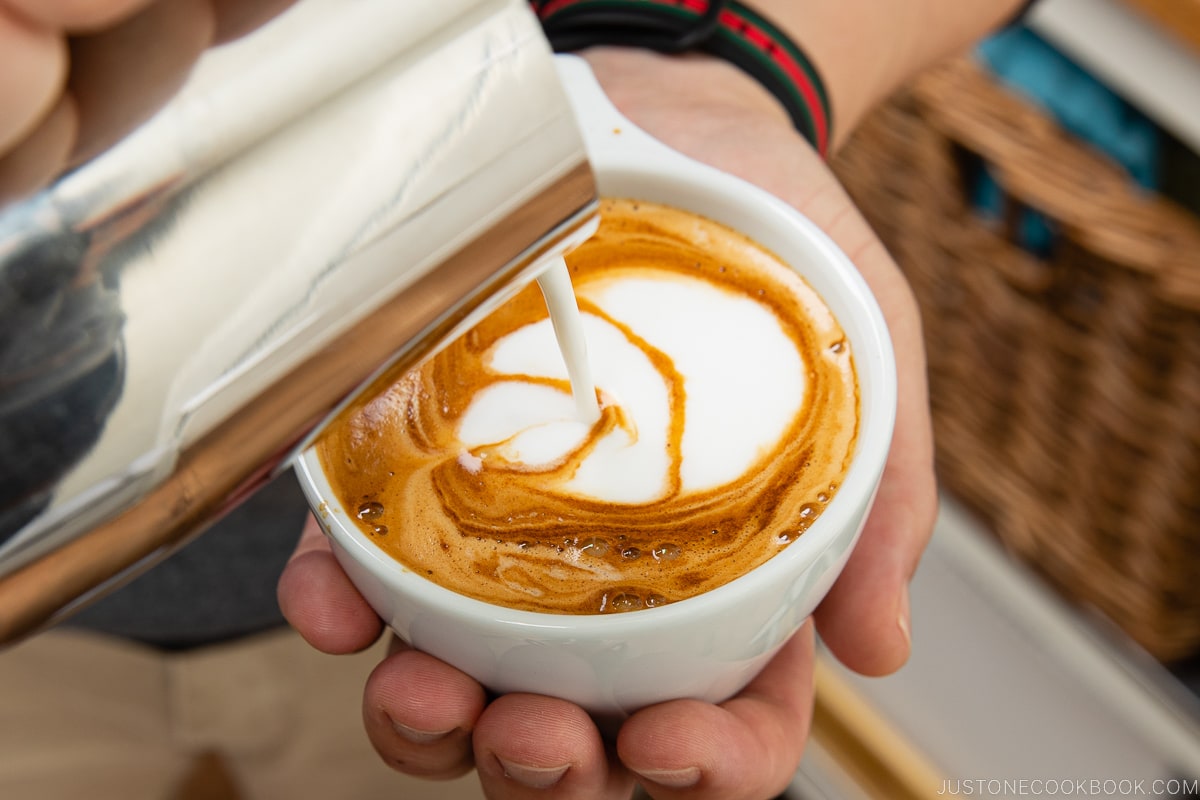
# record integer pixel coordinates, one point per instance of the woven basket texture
(1065, 388)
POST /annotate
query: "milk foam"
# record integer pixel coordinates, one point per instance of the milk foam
(628, 465)
(742, 378)
(728, 417)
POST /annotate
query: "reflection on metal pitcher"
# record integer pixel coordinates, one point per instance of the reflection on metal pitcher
(340, 191)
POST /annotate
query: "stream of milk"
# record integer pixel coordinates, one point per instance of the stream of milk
(555, 283)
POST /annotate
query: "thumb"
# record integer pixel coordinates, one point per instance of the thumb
(864, 619)
(319, 601)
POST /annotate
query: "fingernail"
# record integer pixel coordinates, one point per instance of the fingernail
(902, 619)
(532, 777)
(673, 778)
(419, 736)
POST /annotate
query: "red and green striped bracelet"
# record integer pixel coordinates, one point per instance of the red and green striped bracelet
(723, 28)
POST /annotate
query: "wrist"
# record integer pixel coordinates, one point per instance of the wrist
(643, 82)
(866, 49)
(726, 29)
(862, 50)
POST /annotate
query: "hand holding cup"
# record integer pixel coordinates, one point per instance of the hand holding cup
(751, 741)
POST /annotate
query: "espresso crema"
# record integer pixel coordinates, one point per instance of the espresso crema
(729, 413)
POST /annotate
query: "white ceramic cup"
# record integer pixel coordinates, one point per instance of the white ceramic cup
(706, 647)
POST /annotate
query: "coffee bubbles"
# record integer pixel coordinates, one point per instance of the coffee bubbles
(370, 511)
(728, 414)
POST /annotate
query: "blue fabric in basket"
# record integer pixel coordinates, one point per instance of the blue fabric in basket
(1084, 106)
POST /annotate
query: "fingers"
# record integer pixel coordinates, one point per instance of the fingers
(238, 17)
(75, 16)
(423, 715)
(320, 602)
(33, 69)
(529, 746)
(748, 747)
(428, 719)
(77, 75)
(42, 155)
(420, 712)
(121, 75)
(865, 618)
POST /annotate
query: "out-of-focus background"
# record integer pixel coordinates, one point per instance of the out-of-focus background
(1043, 196)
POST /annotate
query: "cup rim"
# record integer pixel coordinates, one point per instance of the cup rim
(636, 153)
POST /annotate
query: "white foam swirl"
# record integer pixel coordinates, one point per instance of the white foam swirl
(742, 375)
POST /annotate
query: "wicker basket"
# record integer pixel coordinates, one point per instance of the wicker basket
(1065, 388)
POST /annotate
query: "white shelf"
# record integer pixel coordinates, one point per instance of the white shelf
(1005, 681)
(1153, 71)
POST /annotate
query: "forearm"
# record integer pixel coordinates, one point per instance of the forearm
(864, 49)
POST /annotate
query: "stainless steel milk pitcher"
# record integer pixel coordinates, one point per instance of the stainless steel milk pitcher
(340, 191)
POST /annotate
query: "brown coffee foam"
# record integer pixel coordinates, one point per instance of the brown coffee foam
(499, 533)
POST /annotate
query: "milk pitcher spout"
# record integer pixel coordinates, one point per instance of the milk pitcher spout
(328, 198)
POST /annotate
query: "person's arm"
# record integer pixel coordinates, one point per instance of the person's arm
(866, 49)
(427, 718)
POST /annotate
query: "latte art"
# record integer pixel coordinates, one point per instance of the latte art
(728, 416)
